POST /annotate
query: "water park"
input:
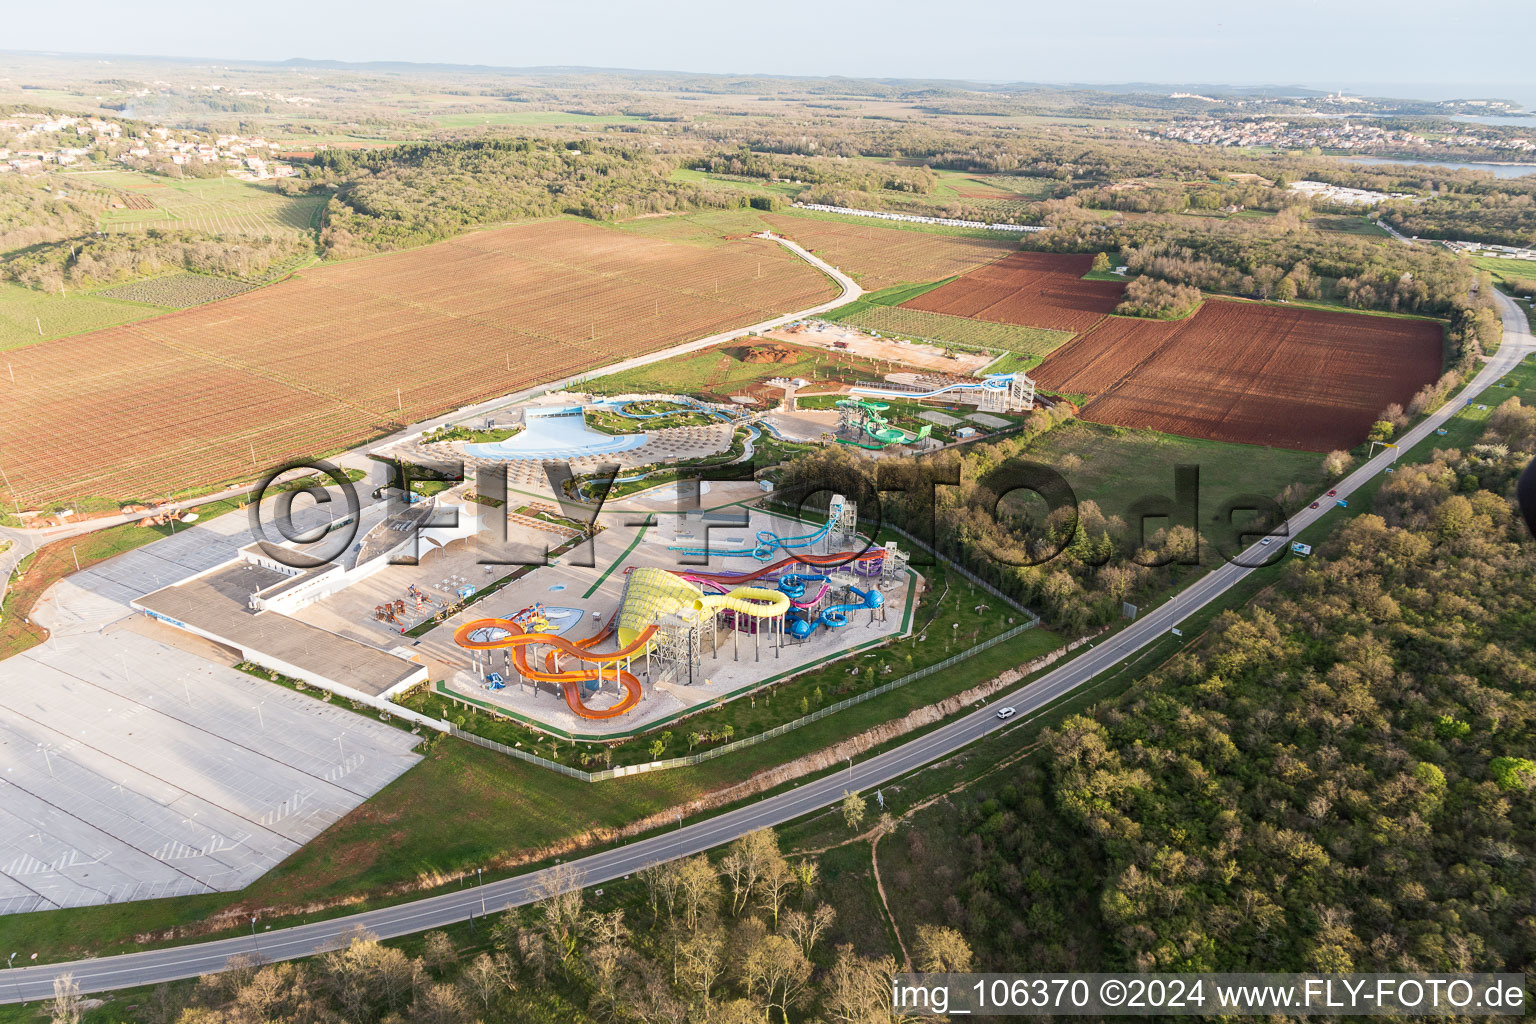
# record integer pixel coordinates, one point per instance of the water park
(707, 606)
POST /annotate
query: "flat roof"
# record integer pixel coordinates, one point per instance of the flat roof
(218, 604)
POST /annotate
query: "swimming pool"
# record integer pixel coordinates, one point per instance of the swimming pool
(555, 432)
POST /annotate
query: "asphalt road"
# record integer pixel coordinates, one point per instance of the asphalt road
(153, 966)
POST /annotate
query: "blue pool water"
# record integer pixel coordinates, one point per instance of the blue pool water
(555, 432)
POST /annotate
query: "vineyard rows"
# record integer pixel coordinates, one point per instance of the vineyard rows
(956, 330)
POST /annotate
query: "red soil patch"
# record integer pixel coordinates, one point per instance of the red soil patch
(1035, 289)
(1247, 372)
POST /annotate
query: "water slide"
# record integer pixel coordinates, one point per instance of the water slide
(992, 382)
(756, 602)
(570, 680)
(729, 579)
(878, 427)
(836, 616)
(768, 542)
(793, 586)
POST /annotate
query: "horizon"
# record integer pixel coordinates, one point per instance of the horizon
(1522, 94)
(1028, 43)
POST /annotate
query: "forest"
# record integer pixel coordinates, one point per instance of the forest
(414, 194)
(741, 939)
(1336, 778)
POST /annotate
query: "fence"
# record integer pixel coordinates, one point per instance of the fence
(690, 760)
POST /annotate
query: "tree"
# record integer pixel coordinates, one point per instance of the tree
(853, 809)
(806, 929)
(661, 885)
(745, 862)
(67, 1004)
(941, 949)
(483, 979)
(1101, 263)
(1337, 462)
(1381, 430)
(773, 888)
(439, 1004)
(558, 902)
(607, 951)
(438, 951)
(701, 963)
(698, 890)
(776, 969)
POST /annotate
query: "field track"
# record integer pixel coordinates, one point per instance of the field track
(1035, 289)
(1249, 372)
(339, 354)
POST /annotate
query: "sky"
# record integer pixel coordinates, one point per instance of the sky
(1425, 49)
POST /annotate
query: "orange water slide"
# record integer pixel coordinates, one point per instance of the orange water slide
(570, 680)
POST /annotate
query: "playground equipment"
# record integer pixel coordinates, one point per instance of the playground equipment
(532, 619)
(862, 418)
(996, 392)
(842, 523)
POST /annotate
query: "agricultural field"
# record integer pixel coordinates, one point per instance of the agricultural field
(28, 316)
(339, 354)
(1250, 372)
(1036, 289)
(177, 291)
(1036, 342)
(880, 257)
(224, 205)
(724, 370)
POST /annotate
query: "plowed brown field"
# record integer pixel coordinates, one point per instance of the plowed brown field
(1036, 289)
(1247, 372)
(881, 257)
(346, 352)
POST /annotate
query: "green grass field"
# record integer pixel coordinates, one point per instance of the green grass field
(177, 291)
(218, 205)
(703, 227)
(687, 175)
(28, 315)
(1113, 466)
(1362, 226)
(721, 371)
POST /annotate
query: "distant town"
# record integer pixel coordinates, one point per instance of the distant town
(1344, 135)
(31, 142)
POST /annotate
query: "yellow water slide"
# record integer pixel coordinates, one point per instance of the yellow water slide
(757, 602)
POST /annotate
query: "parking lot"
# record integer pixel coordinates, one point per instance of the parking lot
(133, 768)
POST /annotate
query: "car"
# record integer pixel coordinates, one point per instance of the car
(1006, 713)
(1314, 504)
(1333, 493)
(1266, 540)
